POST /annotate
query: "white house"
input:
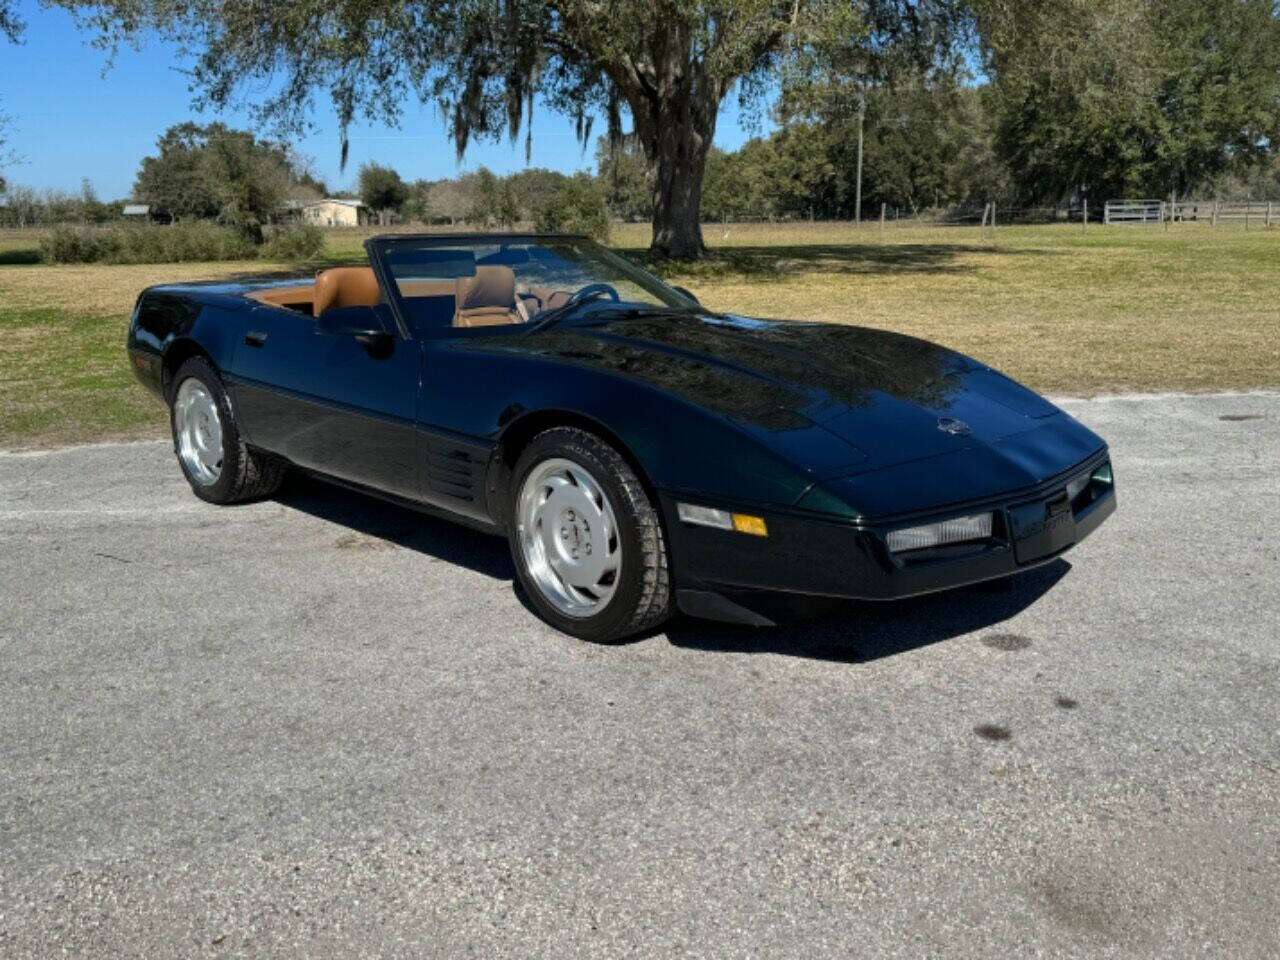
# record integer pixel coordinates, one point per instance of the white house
(332, 212)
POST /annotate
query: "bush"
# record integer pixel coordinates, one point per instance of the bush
(185, 242)
(78, 245)
(577, 208)
(303, 242)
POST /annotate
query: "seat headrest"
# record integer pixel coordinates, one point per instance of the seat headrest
(345, 287)
(493, 286)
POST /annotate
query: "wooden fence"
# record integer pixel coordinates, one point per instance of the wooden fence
(1262, 213)
(1133, 211)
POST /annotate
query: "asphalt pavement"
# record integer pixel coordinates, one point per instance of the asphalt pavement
(324, 726)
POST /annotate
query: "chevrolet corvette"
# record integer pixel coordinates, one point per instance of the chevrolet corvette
(641, 453)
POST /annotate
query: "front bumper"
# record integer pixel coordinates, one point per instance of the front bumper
(829, 557)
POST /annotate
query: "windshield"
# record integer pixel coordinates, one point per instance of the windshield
(446, 282)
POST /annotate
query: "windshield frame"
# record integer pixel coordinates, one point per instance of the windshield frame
(379, 247)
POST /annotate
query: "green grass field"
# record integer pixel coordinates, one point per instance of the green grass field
(1068, 312)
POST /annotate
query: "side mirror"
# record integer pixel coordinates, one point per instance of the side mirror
(686, 292)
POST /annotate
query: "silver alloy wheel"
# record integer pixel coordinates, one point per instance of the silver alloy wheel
(569, 537)
(198, 431)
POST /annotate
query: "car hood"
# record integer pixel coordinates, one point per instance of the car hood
(832, 399)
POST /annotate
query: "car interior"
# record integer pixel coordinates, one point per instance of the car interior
(488, 297)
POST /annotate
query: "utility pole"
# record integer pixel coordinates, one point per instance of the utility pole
(862, 116)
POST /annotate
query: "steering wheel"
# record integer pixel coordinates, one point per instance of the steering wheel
(591, 291)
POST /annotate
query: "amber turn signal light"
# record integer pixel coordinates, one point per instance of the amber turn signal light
(722, 519)
(746, 523)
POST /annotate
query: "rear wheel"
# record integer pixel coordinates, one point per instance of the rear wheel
(587, 541)
(206, 439)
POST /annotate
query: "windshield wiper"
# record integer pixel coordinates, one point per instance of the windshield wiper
(605, 314)
(565, 310)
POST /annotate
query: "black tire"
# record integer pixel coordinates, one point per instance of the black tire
(245, 474)
(643, 596)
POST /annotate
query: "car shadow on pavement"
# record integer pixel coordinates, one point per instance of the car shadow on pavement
(850, 632)
(862, 631)
(411, 529)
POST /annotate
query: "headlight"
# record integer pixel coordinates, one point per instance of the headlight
(1076, 484)
(976, 527)
(1097, 481)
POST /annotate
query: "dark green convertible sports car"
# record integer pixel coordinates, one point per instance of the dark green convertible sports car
(640, 452)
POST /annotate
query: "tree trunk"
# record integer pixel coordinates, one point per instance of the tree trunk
(677, 197)
(676, 121)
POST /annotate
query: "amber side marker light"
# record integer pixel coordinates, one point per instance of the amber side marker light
(722, 519)
(746, 523)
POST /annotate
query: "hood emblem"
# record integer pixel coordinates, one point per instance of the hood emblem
(957, 428)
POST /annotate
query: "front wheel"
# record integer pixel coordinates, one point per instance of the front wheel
(206, 438)
(587, 541)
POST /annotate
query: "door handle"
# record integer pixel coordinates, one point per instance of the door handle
(254, 338)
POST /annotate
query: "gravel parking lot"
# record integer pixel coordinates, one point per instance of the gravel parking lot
(325, 726)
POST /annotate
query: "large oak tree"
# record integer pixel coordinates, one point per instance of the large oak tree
(669, 64)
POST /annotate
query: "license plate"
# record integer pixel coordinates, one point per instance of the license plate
(1042, 528)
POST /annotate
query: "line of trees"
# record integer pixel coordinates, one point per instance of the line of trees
(1141, 98)
(25, 207)
(924, 149)
(1087, 97)
(954, 100)
(548, 199)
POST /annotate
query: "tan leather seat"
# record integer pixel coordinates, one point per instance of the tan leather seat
(488, 298)
(345, 287)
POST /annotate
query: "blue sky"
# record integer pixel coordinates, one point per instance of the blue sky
(69, 120)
